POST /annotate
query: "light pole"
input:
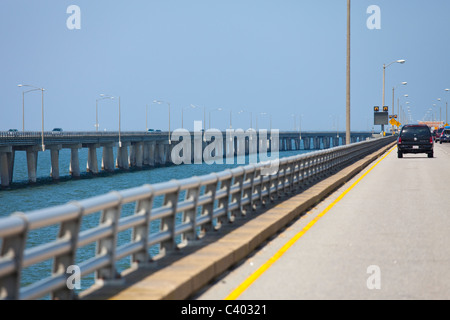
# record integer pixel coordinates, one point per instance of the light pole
(384, 75)
(446, 109)
(96, 108)
(209, 115)
(168, 104)
(251, 116)
(42, 92)
(182, 111)
(347, 131)
(264, 114)
(23, 107)
(393, 99)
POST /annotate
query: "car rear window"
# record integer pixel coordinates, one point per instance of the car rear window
(446, 132)
(416, 131)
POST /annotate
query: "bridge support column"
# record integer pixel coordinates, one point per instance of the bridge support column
(122, 161)
(108, 157)
(307, 143)
(326, 142)
(136, 155)
(74, 167)
(6, 165)
(151, 160)
(32, 157)
(335, 141)
(92, 164)
(54, 157)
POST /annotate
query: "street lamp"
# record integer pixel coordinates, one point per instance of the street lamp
(398, 104)
(103, 97)
(251, 116)
(347, 130)
(168, 104)
(270, 119)
(384, 74)
(182, 112)
(446, 109)
(204, 115)
(23, 117)
(209, 114)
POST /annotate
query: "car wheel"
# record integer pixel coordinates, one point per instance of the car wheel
(440, 142)
(431, 155)
(400, 154)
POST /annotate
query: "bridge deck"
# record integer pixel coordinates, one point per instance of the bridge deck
(387, 238)
(184, 275)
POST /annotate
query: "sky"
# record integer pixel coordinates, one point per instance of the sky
(281, 62)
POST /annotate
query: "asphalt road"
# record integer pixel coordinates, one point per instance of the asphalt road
(383, 235)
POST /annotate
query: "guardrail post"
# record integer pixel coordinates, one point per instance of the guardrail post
(247, 191)
(168, 223)
(68, 229)
(190, 215)
(208, 208)
(142, 231)
(13, 246)
(107, 246)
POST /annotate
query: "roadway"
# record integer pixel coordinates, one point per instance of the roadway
(382, 235)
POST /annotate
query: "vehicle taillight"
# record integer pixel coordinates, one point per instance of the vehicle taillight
(399, 140)
(431, 139)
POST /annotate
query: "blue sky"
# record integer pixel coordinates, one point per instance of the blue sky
(280, 58)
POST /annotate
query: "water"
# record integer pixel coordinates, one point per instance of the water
(46, 193)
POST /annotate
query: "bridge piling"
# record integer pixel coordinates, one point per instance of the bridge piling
(54, 159)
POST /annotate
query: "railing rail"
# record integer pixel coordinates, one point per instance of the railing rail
(182, 211)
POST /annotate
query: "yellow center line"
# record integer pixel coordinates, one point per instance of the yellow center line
(255, 275)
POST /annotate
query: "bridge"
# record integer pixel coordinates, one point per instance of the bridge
(136, 149)
(180, 235)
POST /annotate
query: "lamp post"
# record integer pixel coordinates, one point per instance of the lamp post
(182, 112)
(103, 97)
(393, 94)
(168, 104)
(270, 119)
(347, 131)
(384, 74)
(209, 115)
(446, 109)
(42, 107)
(23, 106)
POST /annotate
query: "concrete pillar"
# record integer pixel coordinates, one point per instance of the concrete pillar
(307, 143)
(108, 157)
(146, 153)
(92, 164)
(336, 141)
(326, 142)
(6, 165)
(122, 161)
(54, 158)
(316, 143)
(151, 161)
(32, 157)
(139, 154)
(74, 166)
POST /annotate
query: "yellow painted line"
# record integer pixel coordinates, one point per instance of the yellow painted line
(252, 278)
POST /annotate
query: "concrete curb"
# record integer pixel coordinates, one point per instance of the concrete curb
(188, 274)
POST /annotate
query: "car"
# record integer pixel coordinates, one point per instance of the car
(150, 130)
(415, 138)
(13, 132)
(57, 131)
(445, 136)
(438, 134)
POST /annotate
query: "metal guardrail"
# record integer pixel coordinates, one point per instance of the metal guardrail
(189, 208)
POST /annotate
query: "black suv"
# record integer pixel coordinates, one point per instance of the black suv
(415, 139)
